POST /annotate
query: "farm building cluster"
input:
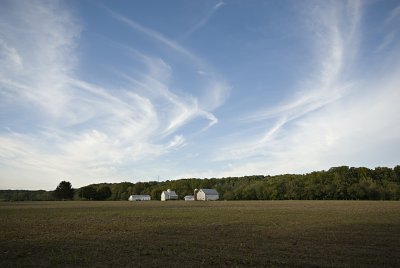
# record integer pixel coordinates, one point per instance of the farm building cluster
(199, 194)
(140, 197)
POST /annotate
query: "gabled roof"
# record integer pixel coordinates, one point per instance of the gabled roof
(209, 191)
(170, 193)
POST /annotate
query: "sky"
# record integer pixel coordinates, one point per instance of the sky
(111, 91)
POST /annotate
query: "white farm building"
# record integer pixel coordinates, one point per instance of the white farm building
(139, 198)
(207, 195)
(168, 195)
(189, 198)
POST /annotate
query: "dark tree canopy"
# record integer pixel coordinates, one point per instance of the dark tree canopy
(88, 192)
(103, 193)
(64, 191)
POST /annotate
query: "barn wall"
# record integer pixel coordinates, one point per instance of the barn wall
(212, 197)
(200, 196)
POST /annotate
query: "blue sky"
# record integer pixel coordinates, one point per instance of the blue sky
(94, 91)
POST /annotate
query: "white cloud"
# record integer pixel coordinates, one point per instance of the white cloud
(203, 21)
(175, 110)
(335, 117)
(41, 44)
(393, 15)
(361, 130)
(75, 128)
(217, 90)
(333, 52)
(388, 39)
(10, 55)
(152, 33)
(178, 141)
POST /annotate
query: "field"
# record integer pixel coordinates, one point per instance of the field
(179, 234)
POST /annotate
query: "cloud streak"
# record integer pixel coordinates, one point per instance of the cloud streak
(315, 129)
(75, 127)
(394, 14)
(333, 51)
(217, 90)
(153, 34)
(203, 22)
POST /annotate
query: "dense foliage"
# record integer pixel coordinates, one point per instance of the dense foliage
(341, 183)
(64, 191)
(25, 195)
(88, 192)
(103, 193)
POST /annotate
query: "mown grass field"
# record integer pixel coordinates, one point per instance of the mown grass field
(183, 234)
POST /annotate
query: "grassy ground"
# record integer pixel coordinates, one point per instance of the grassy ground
(179, 234)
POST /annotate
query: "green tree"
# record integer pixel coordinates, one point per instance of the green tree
(382, 173)
(103, 193)
(64, 191)
(156, 193)
(88, 192)
(229, 195)
(396, 173)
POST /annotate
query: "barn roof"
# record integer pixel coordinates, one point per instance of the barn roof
(209, 191)
(170, 193)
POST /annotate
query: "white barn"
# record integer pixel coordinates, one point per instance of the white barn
(168, 195)
(207, 195)
(139, 198)
(189, 198)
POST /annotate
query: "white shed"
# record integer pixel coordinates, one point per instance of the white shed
(189, 198)
(168, 195)
(139, 197)
(207, 195)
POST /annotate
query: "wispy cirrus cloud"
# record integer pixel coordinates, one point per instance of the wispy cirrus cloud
(215, 88)
(152, 33)
(352, 131)
(390, 36)
(333, 42)
(393, 15)
(203, 21)
(315, 129)
(65, 126)
(40, 74)
(338, 115)
(388, 39)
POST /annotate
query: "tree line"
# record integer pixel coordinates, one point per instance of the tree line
(337, 183)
